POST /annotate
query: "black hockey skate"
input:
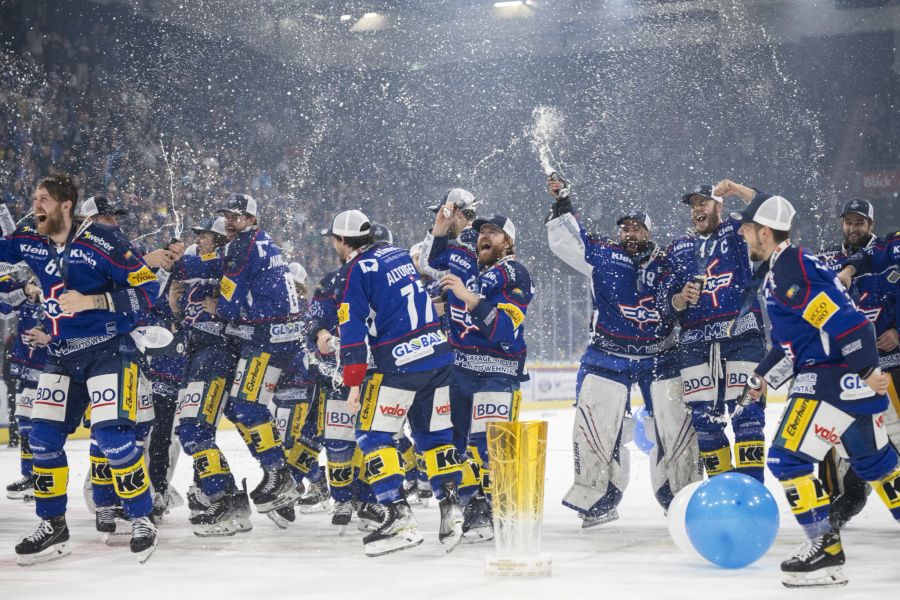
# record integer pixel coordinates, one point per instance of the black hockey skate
(450, 531)
(143, 538)
(21, 489)
(276, 489)
(816, 563)
(341, 515)
(478, 520)
(315, 499)
(370, 515)
(398, 531)
(197, 501)
(224, 516)
(50, 542)
(424, 491)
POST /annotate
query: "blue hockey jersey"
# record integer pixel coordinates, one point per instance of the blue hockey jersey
(624, 289)
(818, 335)
(31, 316)
(873, 293)
(97, 260)
(723, 261)
(384, 302)
(257, 296)
(203, 328)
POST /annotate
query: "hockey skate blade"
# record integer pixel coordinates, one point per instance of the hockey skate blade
(401, 540)
(144, 555)
(225, 529)
(309, 509)
(828, 577)
(24, 496)
(478, 535)
(116, 538)
(454, 538)
(588, 522)
(279, 521)
(342, 529)
(55, 552)
(286, 500)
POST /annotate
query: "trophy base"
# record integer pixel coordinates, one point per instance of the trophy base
(518, 566)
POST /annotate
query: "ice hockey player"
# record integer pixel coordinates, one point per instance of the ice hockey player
(92, 284)
(384, 309)
(220, 508)
(631, 343)
(721, 339)
(258, 302)
(490, 353)
(828, 347)
(27, 358)
(875, 295)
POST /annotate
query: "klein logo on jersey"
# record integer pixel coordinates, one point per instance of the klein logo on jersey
(417, 347)
(141, 276)
(642, 314)
(36, 250)
(82, 255)
(716, 282)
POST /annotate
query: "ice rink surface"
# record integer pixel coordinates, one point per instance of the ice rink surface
(632, 558)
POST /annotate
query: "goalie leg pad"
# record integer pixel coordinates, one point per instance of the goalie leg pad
(675, 456)
(601, 462)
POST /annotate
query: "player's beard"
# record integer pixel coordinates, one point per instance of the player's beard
(489, 256)
(709, 224)
(856, 240)
(52, 223)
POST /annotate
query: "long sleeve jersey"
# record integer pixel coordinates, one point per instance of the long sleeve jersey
(873, 293)
(384, 303)
(624, 289)
(723, 260)
(818, 335)
(97, 260)
(31, 315)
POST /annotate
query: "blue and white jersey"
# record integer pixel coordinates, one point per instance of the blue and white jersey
(624, 290)
(97, 260)
(494, 340)
(723, 261)
(31, 316)
(202, 327)
(383, 303)
(818, 336)
(322, 313)
(873, 293)
(441, 255)
(257, 296)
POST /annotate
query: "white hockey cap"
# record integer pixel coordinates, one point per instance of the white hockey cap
(350, 223)
(771, 211)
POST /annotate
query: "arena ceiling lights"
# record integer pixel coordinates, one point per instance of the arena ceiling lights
(510, 9)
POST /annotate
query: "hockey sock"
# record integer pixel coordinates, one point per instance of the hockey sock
(716, 461)
(382, 470)
(888, 489)
(25, 456)
(750, 458)
(443, 465)
(102, 490)
(809, 503)
(263, 443)
(213, 472)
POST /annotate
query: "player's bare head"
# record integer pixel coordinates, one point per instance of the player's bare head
(53, 203)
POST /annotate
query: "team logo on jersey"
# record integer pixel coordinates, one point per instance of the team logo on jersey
(716, 281)
(642, 313)
(872, 314)
(52, 309)
(461, 317)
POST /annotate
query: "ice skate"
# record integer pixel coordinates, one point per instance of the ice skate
(108, 521)
(409, 491)
(143, 538)
(21, 489)
(370, 516)
(817, 563)
(341, 515)
(424, 492)
(399, 531)
(478, 522)
(197, 500)
(50, 542)
(589, 520)
(315, 499)
(163, 503)
(219, 518)
(277, 489)
(450, 531)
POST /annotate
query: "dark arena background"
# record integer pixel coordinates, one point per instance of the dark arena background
(317, 106)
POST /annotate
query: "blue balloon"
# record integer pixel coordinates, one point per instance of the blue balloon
(640, 433)
(732, 520)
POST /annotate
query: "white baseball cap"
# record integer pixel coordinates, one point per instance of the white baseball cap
(772, 211)
(350, 223)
